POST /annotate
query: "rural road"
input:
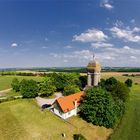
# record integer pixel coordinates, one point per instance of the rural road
(3, 92)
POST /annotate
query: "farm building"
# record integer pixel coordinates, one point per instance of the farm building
(67, 106)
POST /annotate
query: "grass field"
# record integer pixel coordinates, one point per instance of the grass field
(5, 81)
(24, 120)
(129, 129)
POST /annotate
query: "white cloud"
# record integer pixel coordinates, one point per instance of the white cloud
(107, 56)
(68, 47)
(91, 35)
(136, 29)
(106, 4)
(118, 23)
(14, 45)
(127, 34)
(119, 56)
(65, 61)
(83, 54)
(133, 57)
(126, 47)
(101, 45)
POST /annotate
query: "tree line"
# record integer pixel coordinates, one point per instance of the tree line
(67, 83)
(105, 105)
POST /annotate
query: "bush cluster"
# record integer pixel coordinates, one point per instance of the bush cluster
(78, 137)
(67, 83)
(27, 88)
(105, 105)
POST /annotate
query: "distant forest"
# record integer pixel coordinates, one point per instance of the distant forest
(70, 69)
(84, 70)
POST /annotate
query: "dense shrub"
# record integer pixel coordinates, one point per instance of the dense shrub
(128, 82)
(110, 83)
(60, 80)
(120, 91)
(29, 88)
(25, 74)
(70, 89)
(98, 107)
(78, 137)
(47, 87)
(15, 85)
(83, 81)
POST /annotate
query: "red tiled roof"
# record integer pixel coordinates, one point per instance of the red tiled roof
(67, 103)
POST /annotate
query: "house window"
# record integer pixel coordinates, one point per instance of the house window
(69, 113)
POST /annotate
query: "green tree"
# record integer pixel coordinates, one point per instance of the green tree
(29, 88)
(110, 83)
(129, 82)
(70, 89)
(60, 80)
(116, 88)
(83, 81)
(98, 107)
(15, 85)
(119, 109)
(47, 88)
(120, 91)
(102, 83)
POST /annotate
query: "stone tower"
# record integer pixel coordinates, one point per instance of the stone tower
(93, 73)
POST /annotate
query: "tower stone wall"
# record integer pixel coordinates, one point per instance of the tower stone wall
(93, 73)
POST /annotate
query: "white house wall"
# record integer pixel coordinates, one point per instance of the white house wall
(65, 115)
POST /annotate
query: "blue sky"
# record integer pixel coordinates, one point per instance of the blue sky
(56, 33)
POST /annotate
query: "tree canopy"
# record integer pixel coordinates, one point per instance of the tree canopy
(61, 80)
(15, 85)
(110, 83)
(118, 89)
(47, 87)
(98, 107)
(129, 82)
(29, 88)
(121, 91)
(105, 105)
(70, 89)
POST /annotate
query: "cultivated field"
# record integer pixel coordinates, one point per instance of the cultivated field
(119, 76)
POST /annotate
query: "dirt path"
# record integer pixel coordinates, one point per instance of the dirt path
(3, 92)
(41, 101)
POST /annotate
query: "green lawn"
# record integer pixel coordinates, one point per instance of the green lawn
(129, 129)
(5, 81)
(23, 120)
(13, 93)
